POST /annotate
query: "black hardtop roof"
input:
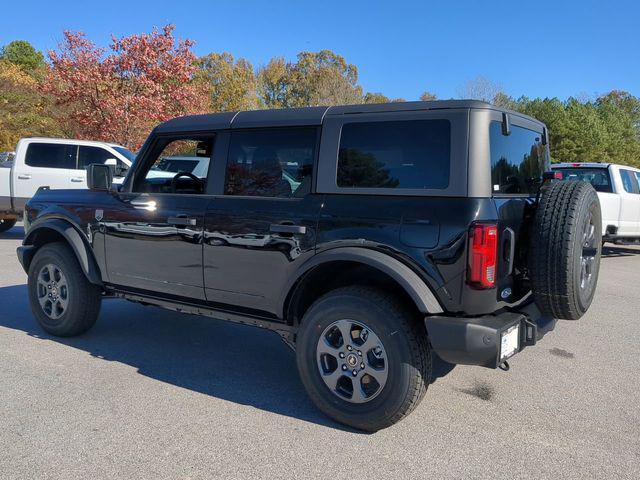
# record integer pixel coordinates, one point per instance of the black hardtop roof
(308, 115)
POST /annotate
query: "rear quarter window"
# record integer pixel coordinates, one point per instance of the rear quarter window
(406, 154)
(518, 160)
(51, 155)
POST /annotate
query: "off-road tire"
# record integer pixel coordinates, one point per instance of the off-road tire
(405, 341)
(7, 224)
(84, 298)
(558, 246)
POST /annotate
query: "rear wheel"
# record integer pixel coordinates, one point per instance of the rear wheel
(63, 301)
(565, 250)
(363, 359)
(7, 224)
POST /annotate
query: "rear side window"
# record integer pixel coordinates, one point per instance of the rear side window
(518, 160)
(398, 154)
(598, 177)
(88, 155)
(51, 155)
(629, 181)
(271, 162)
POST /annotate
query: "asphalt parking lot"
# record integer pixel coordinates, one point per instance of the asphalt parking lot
(153, 394)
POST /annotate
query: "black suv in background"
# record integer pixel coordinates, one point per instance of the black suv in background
(367, 236)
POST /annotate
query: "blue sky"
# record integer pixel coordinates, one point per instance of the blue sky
(401, 48)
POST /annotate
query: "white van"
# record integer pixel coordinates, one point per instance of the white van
(56, 163)
(618, 188)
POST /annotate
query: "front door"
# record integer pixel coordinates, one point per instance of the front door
(154, 233)
(264, 226)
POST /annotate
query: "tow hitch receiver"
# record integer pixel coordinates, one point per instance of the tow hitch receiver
(489, 340)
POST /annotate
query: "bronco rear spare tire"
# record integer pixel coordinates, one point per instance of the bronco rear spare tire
(566, 244)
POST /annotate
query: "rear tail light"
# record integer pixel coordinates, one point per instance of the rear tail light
(483, 254)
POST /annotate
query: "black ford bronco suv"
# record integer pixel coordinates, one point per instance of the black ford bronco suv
(369, 237)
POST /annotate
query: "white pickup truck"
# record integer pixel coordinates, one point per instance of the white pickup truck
(618, 188)
(56, 163)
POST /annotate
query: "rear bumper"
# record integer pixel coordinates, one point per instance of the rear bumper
(477, 340)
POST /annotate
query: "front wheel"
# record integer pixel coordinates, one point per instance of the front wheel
(364, 360)
(63, 301)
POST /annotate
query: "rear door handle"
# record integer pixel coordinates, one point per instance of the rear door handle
(77, 179)
(24, 176)
(182, 220)
(282, 228)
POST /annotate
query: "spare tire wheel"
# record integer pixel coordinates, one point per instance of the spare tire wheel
(566, 244)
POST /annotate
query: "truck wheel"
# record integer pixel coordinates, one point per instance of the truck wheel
(565, 250)
(364, 360)
(7, 224)
(63, 301)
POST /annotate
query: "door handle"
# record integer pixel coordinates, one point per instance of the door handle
(149, 205)
(24, 176)
(283, 228)
(77, 179)
(182, 220)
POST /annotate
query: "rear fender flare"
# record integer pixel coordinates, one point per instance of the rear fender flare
(74, 239)
(415, 287)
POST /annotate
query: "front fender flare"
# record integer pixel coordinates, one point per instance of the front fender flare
(415, 287)
(74, 239)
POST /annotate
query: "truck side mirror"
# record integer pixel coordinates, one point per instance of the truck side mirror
(117, 169)
(99, 176)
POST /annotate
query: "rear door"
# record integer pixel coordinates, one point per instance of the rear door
(264, 226)
(43, 164)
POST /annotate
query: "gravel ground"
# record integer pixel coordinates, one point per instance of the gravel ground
(153, 394)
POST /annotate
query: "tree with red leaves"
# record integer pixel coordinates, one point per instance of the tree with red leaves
(144, 79)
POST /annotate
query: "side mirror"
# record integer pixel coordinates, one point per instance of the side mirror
(99, 177)
(118, 169)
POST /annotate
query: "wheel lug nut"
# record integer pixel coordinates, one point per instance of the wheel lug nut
(362, 365)
(341, 354)
(349, 347)
(355, 373)
(344, 367)
(359, 353)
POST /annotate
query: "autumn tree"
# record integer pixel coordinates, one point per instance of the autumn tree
(480, 88)
(231, 84)
(375, 97)
(427, 96)
(120, 96)
(24, 110)
(316, 78)
(22, 54)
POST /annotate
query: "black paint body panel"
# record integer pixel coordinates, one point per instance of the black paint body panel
(234, 255)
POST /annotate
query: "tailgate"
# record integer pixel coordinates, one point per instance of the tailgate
(5, 190)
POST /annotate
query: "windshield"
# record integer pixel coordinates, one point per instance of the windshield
(598, 177)
(125, 153)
